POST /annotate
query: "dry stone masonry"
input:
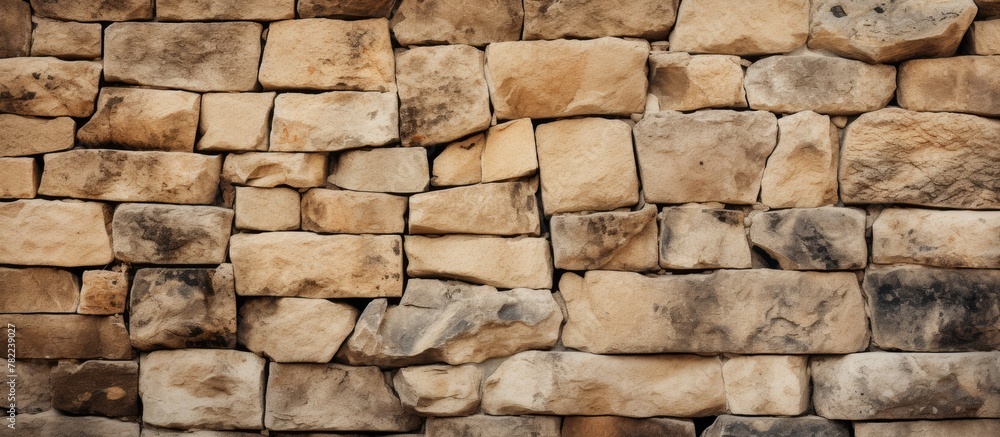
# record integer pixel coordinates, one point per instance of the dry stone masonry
(504, 218)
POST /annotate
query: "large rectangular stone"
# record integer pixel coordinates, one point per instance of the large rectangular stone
(827, 85)
(55, 233)
(103, 388)
(94, 10)
(38, 290)
(271, 169)
(333, 121)
(621, 240)
(508, 208)
(958, 84)
(937, 238)
(740, 28)
(353, 212)
(582, 19)
(66, 39)
(171, 234)
(482, 425)
(142, 119)
(217, 10)
(500, 262)
(48, 87)
(23, 136)
(69, 336)
(928, 428)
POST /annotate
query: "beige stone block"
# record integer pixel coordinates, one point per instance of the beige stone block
(928, 428)
(439, 390)
(273, 169)
(104, 292)
(696, 237)
(353, 212)
(972, 83)
(267, 209)
(481, 425)
(966, 239)
(509, 152)
(423, 22)
(61, 88)
(387, 170)
(18, 178)
(15, 28)
(215, 10)
(21, 136)
(500, 262)
(66, 40)
(294, 329)
(505, 208)
(683, 82)
(345, 9)
(235, 122)
(53, 423)
(38, 290)
(827, 85)
(767, 385)
(69, 336)
(334, 121)
(99, 10)
(740, 28)
(459, 163)
(983, 37)
(37, 230)
(583, 19)
(802, 170)
(617, 426)
(143, 119)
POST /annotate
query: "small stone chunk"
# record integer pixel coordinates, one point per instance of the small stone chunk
(386, 170)
(103, 388)
(66, 40)
(69, 336)
(937, 238)
(38, 290)
(272, 169)
(481, 425)
(353, 212)
(582, 19)
(506, 208)
(143, 119)
(15, 28)
(171, 234)
(737, 426)
(693, 237)
(423, 22)
(767, 385)
(617, 426)
(235, 122)
(51, 423)
(509, 152)
(345, 9)
(267, 209)
(439, 390)
(36, 233)
(18, 178)
(216, 10)
(682, 82)
(459, 163)
(500, 262)
(740, 28)
(984, 37)
(48, 87)
(96, 10)
(334, 121)
(295, 330)
(972, 80)
(827, 238)
(802, 170)
(928, 428)
(104, 292)
(827, 85)
(606, 240)
(22, 136)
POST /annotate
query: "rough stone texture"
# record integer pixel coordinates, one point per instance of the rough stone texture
(500, 262)
(682, 82)
(681, 156)
(459, 163)
(104, 292)
(171, 234)
(877, 32)
(421, 22)
(509, 152)
(61, 88)
(827, 85)
(928, 428)
(18, 178)
(988, 9)
(693, 237)
(581, 19)
(322, 54)
(439, 390)
(575, 383)
(267, 209)
(214, 10)
(586, 164)
(36, 233)
(52, 424)
(736, 426)
(143, 119)
(481, 425)
(22, 136)
(332, 397)
(351, 212)
(932, 159)
(38, 290)
(183, 308)
(606, 240)
(752, 312)
(295, 330)
(345, 8)
(616, 426)
(740, 28)
(202, 388)
(442, 93)
(66, 40)
(302, 264)
(103, 388)
(34, 388)
(387, 170)
(268, 170)
(70, 336)
(802, 170)
(928, 309)
(507, 208)
(960, 84)
(937, 238)
(983, 37)
(547, 79)
(333, 121)
(232, 122)
(150, 431)
(827, 238)
(768, 385)
(881, 385)
(15, 28)
(455, 323)
(99, 10)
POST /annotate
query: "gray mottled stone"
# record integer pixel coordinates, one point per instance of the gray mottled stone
(171, 234)
(937, 238)
(38, 290)
(481, 425)
(34, 385)
(69, 336)
(422, 22)
(826, 85)
(508, 208)
(827, 238)
(739, 426)
(103, 388)
(440, 390)
(48, 87)
(183, 308)
(606, 240)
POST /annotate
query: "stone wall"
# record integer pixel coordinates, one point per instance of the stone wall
(536, 218)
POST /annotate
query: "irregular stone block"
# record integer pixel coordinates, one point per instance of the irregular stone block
(267, 209)
(827, 85)
(15, 28)
(616, 426)
(66, 40)
(606, 240)
(171, 234)
(387, 170)
(682, 82)
(70, 336)
(743, 28)
(827, 238)
(202, 388)
(580, 19)
(736, 426)
(459, 163)
(37, 233)
(439, 390)
(99, 10)
(506, 208)
(681, 156)
(333, 121)
(268, 170)
(216, 10)
(500, 262)
(481, 425)
(885, 33)
(143, 119)
(974, 85)
(937, 238)
(928, 428)
(48, 87)
(528, 79)
(333, 397)
(303, 264)
(321, 54)
(576, 383)
(351, 212)
(420, 22)
(509, 152)
(295, 330)
(931, 159)
(103, 388)
(881, 385)
(781, 312)
(345, 9)
(983, 37)
(183, 308)
(22, 136)
(802, 170)
(232, 122)
(18, 178)
(38, 290)
(767, 385)
(34, 388)
(104, 292)
(693, 237)
(52, 423)
(455, 323)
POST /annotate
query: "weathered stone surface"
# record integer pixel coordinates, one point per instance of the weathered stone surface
(507, 208)
(933, 159)
(235, 121)
(767, 385)
(332, 397)
(802, 170)
(420, 22)
(333, 121)
(104, 292)
(682, 156)
(38, 290)
(51, 424)
(752, 312)
(303, 264)
(827, 238)
(500, 262)
(150, 431)
(387, 170)
(322, 54)
(352, 212)
(48, 87)
(583, 19)
(15, 28)
(99, 10)
(439, 390)
(616, 426)
(693, 237)
(143, 119)
(922, 83)
(215, 10)
(442, 93)
(459, 163)
(586, 165)
(171, 234)
(736, 426)
(69, 336)
(928, 428)
(881, 385)
(267, 209)
(740, 28)
(455, 323)
(34, 388)
(879, 32)
(937, 238)
(682, 82)
(606, 240)
(268, 170)
(183, 308)
(824, 84)
(21, 136)
(18, 178)
(988, 9)
(295, 330)
(37, 230)
(66, 40)
(547, 79)
(481, 425)
(103, 388)
(575, 383)
(509, 152)
(983, 37)
(202, 388)
(345, 8)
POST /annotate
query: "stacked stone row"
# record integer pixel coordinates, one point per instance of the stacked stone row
(584, 218)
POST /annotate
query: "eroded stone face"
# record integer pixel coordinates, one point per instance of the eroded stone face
(968, 239)
(683, 82)
(183, 308)
(827, 238)
(510, 151)
(481, 425)
(38, 290)
(727, 425)
(36, 233)
(606, 240)
(439, 390)
(500, 262)
(616, 426)
(508, 208)
(18, 178)
(272, 169)
(827, 85)
(104, 292)
(48, 87)
(295, 330)
(802, 170)
(693, 237)
(333, 121)
(70, 336)
(740, 28)
(459, 163)
(103, 388)
(581, 19)
(972, 80)
(52, 423)
(422, 22)
(171, 234)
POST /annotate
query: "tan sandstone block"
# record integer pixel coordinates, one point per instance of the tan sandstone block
(38, 290)
(768, 385)
(972, 83)
(345, 8)
(37, 233)
(267, 209)
(66, 40)
(53, 423)
(171, 234)
(983, 37)
(48, 87)
(353, 212)
(695, 237)
(98, 10)
(509, 152)
(606, 240)
(18, 178)
(69, 336)
(617, 426)
(583, 19)
(802, 170)
(104, 292)
(272, 169)
(827, 85)
(459, 163)
(232, 122)
(386, 170)
(481, 425)
(683, 82)
(21, 136)
(15, 28)
(740, 28)
(333, 121)
(439, 390)
(143, 119)
(928, 428)
(500, 262)
(294, 329)
(423, 22)
(215, 10)
(966, 239)
(506, 208)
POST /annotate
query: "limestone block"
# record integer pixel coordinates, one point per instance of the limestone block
(734, 426)
(694, 237)
(421, 22)
(294, 329)
(345, 8)
(500, 262)
(606, 240)
(802, 170)
(104, 292)
(509, 152)
(682, 82)
(38, 290)
(18, 178)
(267, 209)
(103, 388)
(827, 85)
(481, 425)
(937, 238)
(48, 87)
(22, 136)
(98, 10)
(386, 170)
(66, 40)
(145, 233)
(974, 85)
(767, 385)
(333, 121)
(459, 163)
(582, 19)
(439, 390)
(353, 212)
(183, 308)
(70, 336)
(143, 119)
(740, 28)
(827, 238)
(217, 10)
(272, 169)
(37, 230)
(506, 208)
(235, 122)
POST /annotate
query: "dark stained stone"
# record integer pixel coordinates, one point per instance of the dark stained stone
(48, 87)
(102, 388)
(69, 336)
(183, 308)
(171, 234)
(345, 8)
(606, 240)
(615, 426)
(15, 28)
(827, 238)
(738, 426)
